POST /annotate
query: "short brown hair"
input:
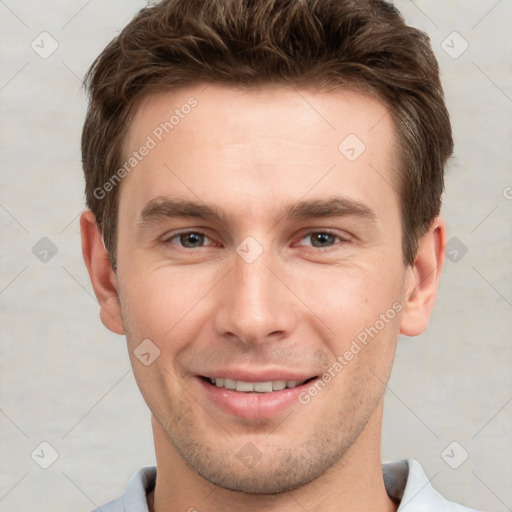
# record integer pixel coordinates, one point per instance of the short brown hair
(359, 44)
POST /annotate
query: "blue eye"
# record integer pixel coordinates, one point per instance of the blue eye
(189, 239)
(321, 239)
(198, 239)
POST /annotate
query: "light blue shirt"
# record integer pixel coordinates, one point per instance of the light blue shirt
(405, 481)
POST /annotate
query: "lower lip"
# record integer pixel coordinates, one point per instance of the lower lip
(253, 405)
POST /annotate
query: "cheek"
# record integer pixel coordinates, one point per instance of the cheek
(362, 310)
(351, 299)
(163, 303)
(364, 324)
(158, 308)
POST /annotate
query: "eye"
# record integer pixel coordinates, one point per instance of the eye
(189, 239)
(320, 239)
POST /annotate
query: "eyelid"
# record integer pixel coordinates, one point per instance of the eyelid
(166, 239)
(327, 231)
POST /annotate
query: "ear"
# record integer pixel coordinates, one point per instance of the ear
(103, 278)
(422, 280)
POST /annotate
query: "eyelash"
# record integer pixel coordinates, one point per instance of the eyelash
(168, 241)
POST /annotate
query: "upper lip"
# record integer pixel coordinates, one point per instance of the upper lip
(262, 375)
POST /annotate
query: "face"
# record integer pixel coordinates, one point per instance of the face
(259, 242)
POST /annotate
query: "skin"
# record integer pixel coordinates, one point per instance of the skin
(297, 306)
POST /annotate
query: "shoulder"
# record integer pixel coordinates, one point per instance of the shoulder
(134, 498)
(406, 482)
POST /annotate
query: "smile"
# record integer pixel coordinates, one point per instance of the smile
(255, 387)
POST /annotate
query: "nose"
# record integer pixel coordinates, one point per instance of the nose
(255, 304)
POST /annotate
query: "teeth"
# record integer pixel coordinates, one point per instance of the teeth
(278, 385)
(244, 386)
(228, 384)
(263, 387)
(255, 387)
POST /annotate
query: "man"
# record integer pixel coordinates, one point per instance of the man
(264, 182)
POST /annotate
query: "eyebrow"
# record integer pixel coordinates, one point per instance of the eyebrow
(162, 207)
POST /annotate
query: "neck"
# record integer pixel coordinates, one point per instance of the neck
(353, 484)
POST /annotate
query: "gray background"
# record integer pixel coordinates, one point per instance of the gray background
(66, 380)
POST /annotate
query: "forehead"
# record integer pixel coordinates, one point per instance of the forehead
(210, 140)
(269, 109)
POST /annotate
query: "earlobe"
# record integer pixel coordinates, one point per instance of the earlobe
(103, 279)
(422, 280)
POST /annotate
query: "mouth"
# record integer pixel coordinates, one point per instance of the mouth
(269, 386)
(254, 399)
